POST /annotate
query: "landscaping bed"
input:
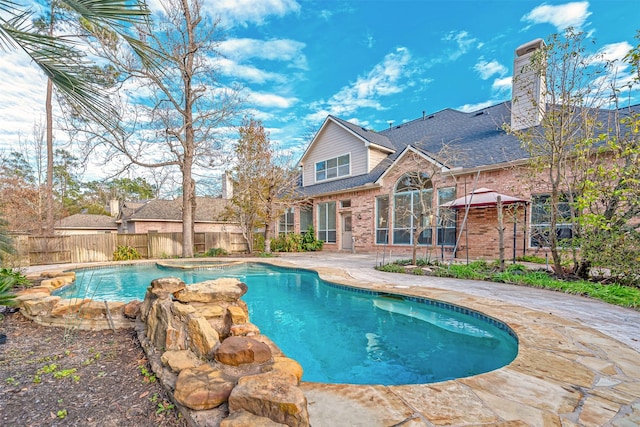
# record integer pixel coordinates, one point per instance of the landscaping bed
(518, 274)
(60, 376)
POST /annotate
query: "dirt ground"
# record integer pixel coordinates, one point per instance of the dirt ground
(62, 377)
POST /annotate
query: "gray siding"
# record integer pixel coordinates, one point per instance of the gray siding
(375, 157)
(335, 141)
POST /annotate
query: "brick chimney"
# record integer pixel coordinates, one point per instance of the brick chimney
(528, 92)
(227, 185)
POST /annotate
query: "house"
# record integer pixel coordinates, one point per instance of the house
(402, 187)
(86, 224)
(165, 216)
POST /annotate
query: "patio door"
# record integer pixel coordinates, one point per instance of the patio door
(347, 242)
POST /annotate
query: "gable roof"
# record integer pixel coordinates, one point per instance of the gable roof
(87, 222)
(208, 209)
(368, 137)
(476, 139)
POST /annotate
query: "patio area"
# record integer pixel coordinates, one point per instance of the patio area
(578, 361)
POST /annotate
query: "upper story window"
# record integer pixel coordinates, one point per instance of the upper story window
(333, 168)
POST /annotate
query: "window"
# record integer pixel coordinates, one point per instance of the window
(285, 225)
(446, 231)
(345, 203)
(541, 218)
(333, 168)
(411, 209)
(382, 219)
(327, 222)
(306, 218)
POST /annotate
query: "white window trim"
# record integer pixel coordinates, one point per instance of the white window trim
(315, 175)
(542, 224)
(327, 230)
(377, 228)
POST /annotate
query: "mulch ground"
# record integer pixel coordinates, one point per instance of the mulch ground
(64, 377)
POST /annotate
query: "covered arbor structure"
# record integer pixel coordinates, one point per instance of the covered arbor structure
(482, 227)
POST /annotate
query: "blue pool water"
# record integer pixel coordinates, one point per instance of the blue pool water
(338, 334)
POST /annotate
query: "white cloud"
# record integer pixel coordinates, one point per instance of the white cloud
(273, 50)
(246, 72)
(463, 42)
(243, 12)
(386, 78)
(23, 88)
(270, 100)
(458, 44)
(468, 108)
(561, 16)
(502, 85)
(489, 69)
(613, 51)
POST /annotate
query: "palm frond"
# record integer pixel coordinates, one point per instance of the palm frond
(113, 13)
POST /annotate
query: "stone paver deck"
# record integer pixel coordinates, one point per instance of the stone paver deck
(578, 362)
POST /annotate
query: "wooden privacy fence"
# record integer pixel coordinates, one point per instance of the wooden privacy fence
(100, 247)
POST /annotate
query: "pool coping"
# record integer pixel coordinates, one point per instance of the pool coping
(566, 373)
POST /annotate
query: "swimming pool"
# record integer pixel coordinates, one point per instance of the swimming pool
(338, 334)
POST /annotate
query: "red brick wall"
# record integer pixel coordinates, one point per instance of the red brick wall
(480, 238)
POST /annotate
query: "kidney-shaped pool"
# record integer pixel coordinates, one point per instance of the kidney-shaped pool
(337, 333)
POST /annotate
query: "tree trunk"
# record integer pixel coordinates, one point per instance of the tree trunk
(500, 233)
(49, 222)
(267, 238)
(553, 236)
(188, 202)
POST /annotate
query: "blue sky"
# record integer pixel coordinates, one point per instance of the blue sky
(369, 62)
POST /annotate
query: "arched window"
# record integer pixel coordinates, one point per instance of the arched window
(412, 209)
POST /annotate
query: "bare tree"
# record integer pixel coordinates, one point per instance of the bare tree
(182, 118)
(572, 91)
(263, 185)
(416, 206)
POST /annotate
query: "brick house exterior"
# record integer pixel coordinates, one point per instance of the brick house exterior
(381, 191)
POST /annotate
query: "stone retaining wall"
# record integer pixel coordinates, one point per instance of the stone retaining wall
(218, 368)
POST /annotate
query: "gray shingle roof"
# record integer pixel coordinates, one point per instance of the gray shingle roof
(88, 221)
(368, 135)
(207, 209)
(476, 139)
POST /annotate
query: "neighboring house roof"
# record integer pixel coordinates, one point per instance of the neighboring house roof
(87, 222)
(208, 209)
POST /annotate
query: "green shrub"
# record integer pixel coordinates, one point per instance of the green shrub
(16, 276)
(258, 242)
(391, 268)
(417, 271)
(309, 241)
(125, 253)
(7, 297)
(287, 243)
(212, 252)
(532, 258)
(291, 242)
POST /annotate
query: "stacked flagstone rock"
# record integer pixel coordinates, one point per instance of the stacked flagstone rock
(37, 304)
(219, 367)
